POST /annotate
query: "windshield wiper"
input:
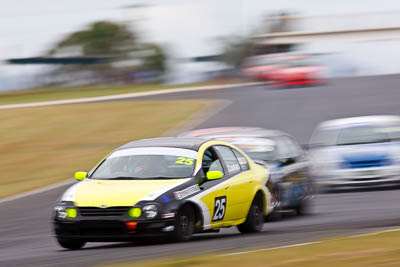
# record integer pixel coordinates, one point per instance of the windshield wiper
(121, 178)
(163, 177)
(137, 178)
(352, 143)
(366, 142)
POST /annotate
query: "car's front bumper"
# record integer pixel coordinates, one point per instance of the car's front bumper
(102, 230)
(360, 177)
(297, 79)
(300, 82)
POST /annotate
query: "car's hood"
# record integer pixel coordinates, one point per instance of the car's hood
(300, 69)
(259, 68)
(118, 193)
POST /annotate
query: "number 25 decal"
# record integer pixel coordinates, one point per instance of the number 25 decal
(219, 208)
(183, 160)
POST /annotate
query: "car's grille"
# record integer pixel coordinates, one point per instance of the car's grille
(367, 164)
(111, 211)
(101, 228)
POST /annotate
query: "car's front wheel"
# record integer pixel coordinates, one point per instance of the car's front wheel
(72, 244)
(184, 227)
(255, 218)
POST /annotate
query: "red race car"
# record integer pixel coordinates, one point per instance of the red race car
(297, 70)
(260, 67)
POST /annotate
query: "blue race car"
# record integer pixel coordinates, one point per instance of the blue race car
(356, 152)
(288, 164)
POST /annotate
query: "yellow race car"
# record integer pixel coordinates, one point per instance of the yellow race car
(173, 187)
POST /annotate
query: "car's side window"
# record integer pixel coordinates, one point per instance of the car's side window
(244, 165)
(288, 150)
(216, 166)
(229, 158)
(298, 149)
(211, 162)
(284, 151)
(293, 149)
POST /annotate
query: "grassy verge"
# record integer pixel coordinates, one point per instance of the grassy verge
(373, 250)
(44, 145)
(49, 94)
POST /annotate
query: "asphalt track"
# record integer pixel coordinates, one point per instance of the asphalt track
(25, 230)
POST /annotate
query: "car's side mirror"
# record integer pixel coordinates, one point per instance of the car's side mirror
(214, 175)
(287, 161)
(80, 176)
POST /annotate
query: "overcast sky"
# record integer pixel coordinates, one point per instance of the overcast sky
(188, 27)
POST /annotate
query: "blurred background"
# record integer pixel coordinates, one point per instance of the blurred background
(341, 57)
(125, 42)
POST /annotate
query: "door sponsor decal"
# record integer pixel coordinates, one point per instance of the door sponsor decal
(187, 191)
(219, 208)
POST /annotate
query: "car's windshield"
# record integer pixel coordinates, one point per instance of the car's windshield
(298, 62)
(357, 134)
(147, 163)
(362, 135)
(257, 61)
(256, 148)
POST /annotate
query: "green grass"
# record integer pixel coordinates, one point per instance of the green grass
(44, 145)
(50, 94)
(373, 250)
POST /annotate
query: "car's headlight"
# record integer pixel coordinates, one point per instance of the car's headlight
(64, 212)
(150, 211)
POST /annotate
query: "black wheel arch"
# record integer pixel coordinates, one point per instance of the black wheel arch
(197, 213)
(261, 196)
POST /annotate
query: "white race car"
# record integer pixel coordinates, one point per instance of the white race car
(355, 152)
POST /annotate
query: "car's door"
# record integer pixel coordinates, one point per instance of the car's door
(293, 167)
(240, 183)
(297, 160)
(215, 193)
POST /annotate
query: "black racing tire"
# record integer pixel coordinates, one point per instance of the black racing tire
(255, 218)
(274, 216)
(303, 208)
(184, 226)
(72, 244)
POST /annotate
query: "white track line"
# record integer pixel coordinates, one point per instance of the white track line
(37, 191)
(376, 233)
(124, 96)
(266, 249)
(309, 243)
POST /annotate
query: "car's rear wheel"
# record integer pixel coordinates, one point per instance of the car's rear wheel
(72, 244)
(255, 218)
(304, 206)
(184, 227)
